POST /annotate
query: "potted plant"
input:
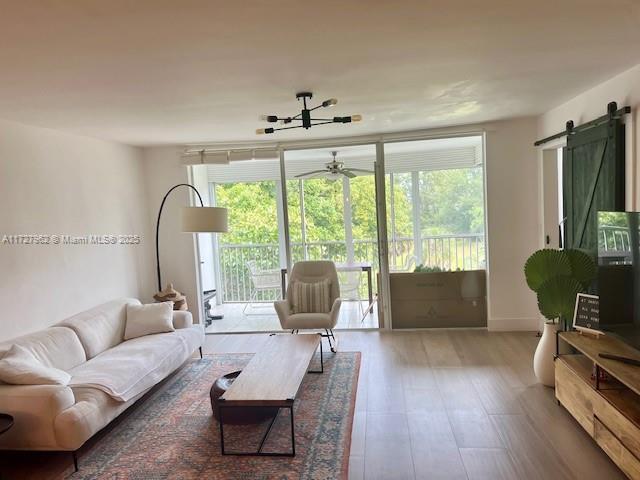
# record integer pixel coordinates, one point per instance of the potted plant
(556, 276)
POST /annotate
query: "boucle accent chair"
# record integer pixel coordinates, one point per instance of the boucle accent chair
(311, 272)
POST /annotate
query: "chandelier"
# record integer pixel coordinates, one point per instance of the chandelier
(304, 117)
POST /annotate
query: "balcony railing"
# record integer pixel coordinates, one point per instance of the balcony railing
(614, 239)
(448, 252)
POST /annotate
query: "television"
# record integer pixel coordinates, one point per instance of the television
(618, 284)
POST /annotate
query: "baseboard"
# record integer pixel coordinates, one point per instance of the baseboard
(513, 324)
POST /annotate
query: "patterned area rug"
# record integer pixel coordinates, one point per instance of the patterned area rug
(173, 435)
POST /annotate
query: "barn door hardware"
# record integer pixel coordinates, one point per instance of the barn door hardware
(613, 113)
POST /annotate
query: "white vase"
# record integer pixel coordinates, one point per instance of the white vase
(543, 364)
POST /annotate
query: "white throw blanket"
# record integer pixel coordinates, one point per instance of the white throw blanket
(132, 367)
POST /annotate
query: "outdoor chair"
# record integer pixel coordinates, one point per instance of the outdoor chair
(350, 288)
(262, 281)
(408, 266)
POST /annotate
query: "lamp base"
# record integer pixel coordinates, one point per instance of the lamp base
(169, 294)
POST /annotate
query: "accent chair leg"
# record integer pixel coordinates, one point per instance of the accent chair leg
(75, 461)
(329, 335)
(200, 350)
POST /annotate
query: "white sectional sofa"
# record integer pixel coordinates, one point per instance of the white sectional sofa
(56, 417)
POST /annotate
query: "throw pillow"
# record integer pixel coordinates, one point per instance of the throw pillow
(148, 319)
(20, 367)
(311, 297)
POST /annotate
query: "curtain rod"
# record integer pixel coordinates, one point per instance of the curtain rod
(612, 113)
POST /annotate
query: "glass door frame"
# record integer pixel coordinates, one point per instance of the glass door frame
(379, 141)
(381, 221)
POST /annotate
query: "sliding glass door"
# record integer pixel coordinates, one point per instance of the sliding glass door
(332, 216)
(249, 258)
(436, 232)
(423, 208)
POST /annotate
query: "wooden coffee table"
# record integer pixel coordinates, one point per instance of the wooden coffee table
(272, 378)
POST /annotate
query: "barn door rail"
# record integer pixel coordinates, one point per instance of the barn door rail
(613, 113)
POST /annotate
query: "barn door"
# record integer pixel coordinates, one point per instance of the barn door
(592, 180)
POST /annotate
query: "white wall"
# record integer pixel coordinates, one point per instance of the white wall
(513, 229)
(623, 89)
(178, 262)
(55, 183)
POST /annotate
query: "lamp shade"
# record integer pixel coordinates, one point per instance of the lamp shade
(204, 219)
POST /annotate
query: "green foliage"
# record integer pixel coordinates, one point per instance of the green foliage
(557, 276)
(451, 201)
(613, 219)
(557, 297)
(323, 210)
(544, 265)
(402, 222)
(583, 267)
(428, 269)
(253, 215)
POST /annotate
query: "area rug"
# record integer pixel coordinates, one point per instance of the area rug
(171, 434)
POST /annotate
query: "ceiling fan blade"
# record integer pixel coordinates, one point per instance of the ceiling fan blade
(307, 174)
(348, 173)
(359, 170)
(319, 175)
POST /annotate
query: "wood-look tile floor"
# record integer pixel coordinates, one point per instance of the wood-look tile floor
(456, 404)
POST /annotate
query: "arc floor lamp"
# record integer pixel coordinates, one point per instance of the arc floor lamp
(194, 220)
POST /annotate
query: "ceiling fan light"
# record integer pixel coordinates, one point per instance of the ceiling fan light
(356, 118)
(330, 103)
(269, 118)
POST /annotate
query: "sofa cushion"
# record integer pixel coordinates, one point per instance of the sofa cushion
(57, 347)
(311, 297)
(20, 367)
(148, 319)
(134, 366)
(308, 321)
(101, 327)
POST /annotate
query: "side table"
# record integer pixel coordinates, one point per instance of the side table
(6, 422)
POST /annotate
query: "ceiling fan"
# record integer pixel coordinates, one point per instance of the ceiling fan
(333, 170)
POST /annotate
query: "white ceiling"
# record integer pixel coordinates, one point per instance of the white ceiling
(150, 72)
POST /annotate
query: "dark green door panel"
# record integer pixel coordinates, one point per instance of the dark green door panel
(593, 180)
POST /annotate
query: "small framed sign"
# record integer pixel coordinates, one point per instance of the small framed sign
(586, 317)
